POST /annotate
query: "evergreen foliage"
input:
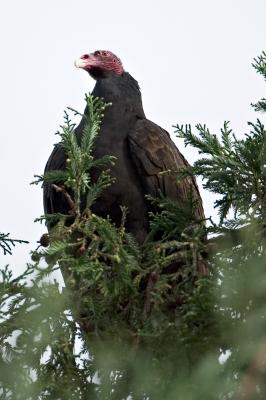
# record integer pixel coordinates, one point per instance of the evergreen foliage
(6, 243)
(234, 169)
(130, 323)
(260, 66)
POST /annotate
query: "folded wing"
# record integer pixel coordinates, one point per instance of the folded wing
(157, 160)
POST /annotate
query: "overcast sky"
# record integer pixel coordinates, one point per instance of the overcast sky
(192, 59)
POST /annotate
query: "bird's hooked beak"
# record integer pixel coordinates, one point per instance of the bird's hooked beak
(86, 61)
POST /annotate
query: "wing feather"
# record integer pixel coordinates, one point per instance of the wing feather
(153, 152)
(54, 202)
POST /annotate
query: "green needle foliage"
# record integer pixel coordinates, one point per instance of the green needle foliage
(234, 169)
(6, 243)
(141, 322)
(260, 66)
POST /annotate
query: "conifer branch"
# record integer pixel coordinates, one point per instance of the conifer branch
(6, 243)
(260, 66)
(235, 169)
(62, 189)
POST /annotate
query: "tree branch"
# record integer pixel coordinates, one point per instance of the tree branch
(62, 189)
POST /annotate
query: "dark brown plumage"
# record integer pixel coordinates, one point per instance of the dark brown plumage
(143, 150)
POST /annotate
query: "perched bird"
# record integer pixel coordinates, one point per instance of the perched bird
(142, 149)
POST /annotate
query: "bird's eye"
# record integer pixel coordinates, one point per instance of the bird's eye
(104, 53)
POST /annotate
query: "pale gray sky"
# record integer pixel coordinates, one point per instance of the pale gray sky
(192, 59)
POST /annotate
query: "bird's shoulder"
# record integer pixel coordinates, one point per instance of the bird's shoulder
(57, 159)
(157, 161)
(148, 140)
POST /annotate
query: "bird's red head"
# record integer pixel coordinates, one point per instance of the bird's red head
(101, 63)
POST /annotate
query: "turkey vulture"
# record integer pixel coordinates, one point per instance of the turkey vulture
(142, 149)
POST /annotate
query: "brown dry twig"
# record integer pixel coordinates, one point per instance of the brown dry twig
(148, 302)
(62, 189)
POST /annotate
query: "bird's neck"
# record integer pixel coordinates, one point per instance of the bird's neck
(123, 92)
